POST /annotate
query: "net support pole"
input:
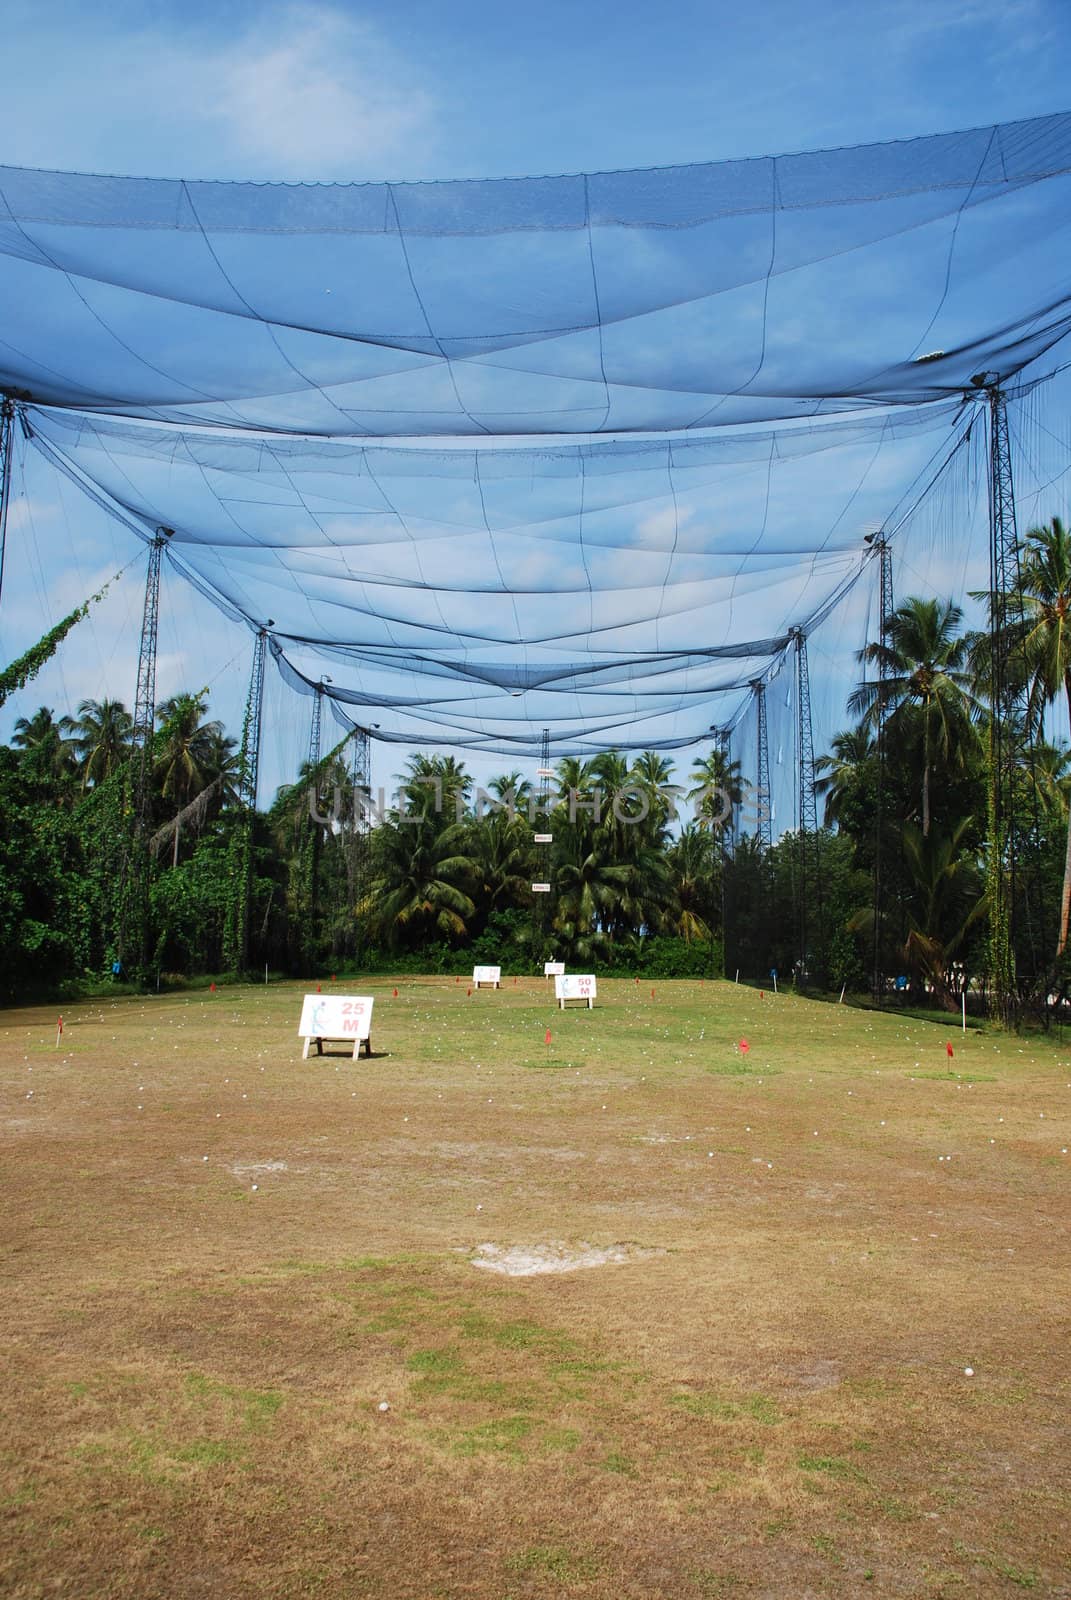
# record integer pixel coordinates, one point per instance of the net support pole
(313, 842)
(809, 843)
(885, 611)
(7, 442)
(133, 935)
(726, 840)
(249, 774)
(1004, 709)
(361, 821)
(764, 823)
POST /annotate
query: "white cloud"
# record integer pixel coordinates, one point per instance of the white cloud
(294, 91)
(326, 89)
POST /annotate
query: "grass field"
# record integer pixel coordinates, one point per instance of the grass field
(219, 1262)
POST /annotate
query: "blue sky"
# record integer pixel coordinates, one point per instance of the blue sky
(417, 90)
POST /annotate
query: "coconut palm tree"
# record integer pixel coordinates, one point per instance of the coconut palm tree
(650, 775)
(101, 737)
(1043, 601)
(844, 769)
(718, 786)
(422, 878)
(187, 751)
(434, 786)
(45, 746)
(695, 862)
(923, 684)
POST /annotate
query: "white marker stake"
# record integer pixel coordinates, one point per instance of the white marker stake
(963, 1002)
(775, 983)
(843, 986)
(265, 973)
(737, 978)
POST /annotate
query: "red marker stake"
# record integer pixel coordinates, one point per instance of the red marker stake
(211, 988)
(744, 1048)
(395, 994)
(59, 1031)
(546, 1037)
(468, 991)
(318, 989)
(949, 1051)
(652, 994)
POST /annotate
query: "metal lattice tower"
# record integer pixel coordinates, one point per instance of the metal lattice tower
(809, 844)
(885, 610)
(145, 694)
(7, 440)
(764, 821)
(1005, 724)
(361, 822)
(250, 758)
(317, 726)
(133, 932)
(313, 838)
(248, 775)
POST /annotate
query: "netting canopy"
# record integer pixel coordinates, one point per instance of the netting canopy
(373, 412)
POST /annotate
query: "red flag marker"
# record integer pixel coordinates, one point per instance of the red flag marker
(211, 988)
(652, 994)
(59, 1031)
(515, 980)
(457, 980)
(637, 980)
(744, 1047)
(318, 989)
(332, 977)
(762, 994)
(395, 994)
(950, 1051)
(546, 1037)
(468, 991)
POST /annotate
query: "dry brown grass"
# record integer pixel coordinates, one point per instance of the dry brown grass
(772, 1402)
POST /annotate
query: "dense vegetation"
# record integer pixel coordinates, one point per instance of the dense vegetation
(443, 879)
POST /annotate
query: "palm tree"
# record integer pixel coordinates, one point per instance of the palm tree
(695, 861)
(421, 871)
(102, 732)
(1043, 600)
(924, 684)
(843, 770)
(435, 786)
(186, 750)
(651, 774)
(590, 892)
(45, 747)
(1050, 776)
(718, 786)
(947, 900)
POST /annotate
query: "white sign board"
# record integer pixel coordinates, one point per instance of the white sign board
(543, 838)
(574, 987)
(541, 888)
(489, 975)
(336, 1016)
(553, 969)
